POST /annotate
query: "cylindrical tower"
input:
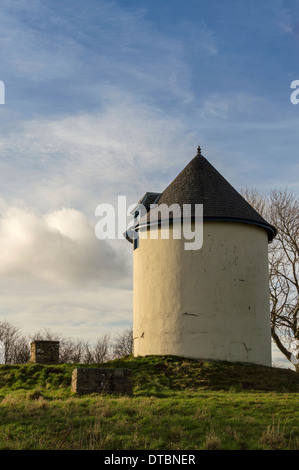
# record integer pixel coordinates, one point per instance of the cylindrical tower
(209, 303)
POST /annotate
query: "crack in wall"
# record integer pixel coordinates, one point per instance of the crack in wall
(191, 314)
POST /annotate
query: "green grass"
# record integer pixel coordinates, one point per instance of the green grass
(177, 404)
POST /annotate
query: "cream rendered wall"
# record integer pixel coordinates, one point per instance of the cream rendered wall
(211, 303)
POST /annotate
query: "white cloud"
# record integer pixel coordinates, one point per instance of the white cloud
(285, 20)
(76, 311)
(80, 161)
(200, 41)
(228, 105)
(56, 274)
(59, 247)
(84, 49)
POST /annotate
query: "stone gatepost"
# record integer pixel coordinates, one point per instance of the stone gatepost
(44, 352)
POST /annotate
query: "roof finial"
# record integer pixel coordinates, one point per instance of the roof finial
(198, 150)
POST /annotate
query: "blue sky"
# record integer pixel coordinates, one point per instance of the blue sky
(108, 98)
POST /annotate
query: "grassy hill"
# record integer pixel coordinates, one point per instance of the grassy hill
(177, 404)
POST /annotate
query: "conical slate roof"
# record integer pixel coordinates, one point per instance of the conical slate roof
(200, 183)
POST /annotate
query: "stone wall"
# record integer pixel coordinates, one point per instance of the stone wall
(44, 352)
(98, 380)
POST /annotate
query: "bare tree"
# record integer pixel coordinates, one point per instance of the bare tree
(123, 343)
(72, 351)
(281, 209)
(99, 352)
(22, 351)
(16, 347)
